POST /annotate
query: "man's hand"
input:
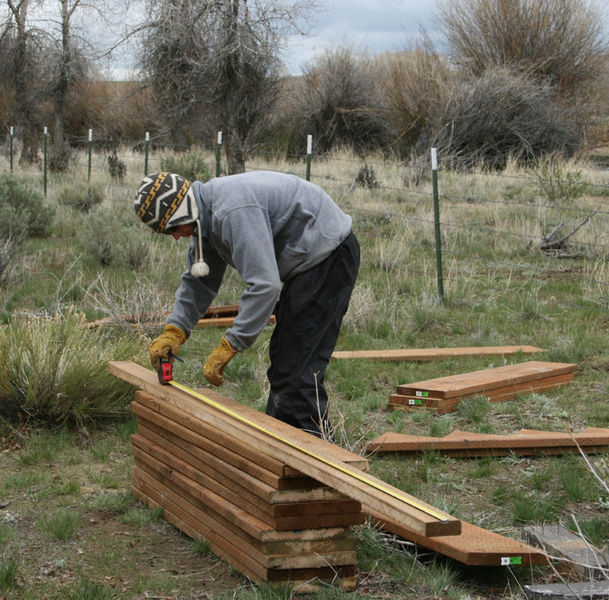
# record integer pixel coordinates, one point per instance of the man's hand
(171, 339)
(217, 360)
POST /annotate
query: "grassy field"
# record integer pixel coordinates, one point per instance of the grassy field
(68, 525)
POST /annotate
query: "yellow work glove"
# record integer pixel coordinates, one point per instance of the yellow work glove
(171, 339)
(217, 360)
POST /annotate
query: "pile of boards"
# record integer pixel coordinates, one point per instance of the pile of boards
(443, 394)
(218, 481)
(265, 519)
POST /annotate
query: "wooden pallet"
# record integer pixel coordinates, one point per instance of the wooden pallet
(474, 546)
(421, 354)
(524, 442)
(497, 384)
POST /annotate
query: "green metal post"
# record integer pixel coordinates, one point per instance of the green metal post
(309, 152)
(44, 161)
(436, 212)
(218, 153)
(89, 158)
(146, 150)
(11, 147)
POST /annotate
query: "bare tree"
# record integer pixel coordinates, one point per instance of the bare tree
(214, 64)
(69, 67)
(560, 41)
(339, 103)
(21, 68)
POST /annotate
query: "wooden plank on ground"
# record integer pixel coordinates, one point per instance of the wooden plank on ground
(421, 354)
(238, 550)
(291, 516)
(447, 405)
(474, 546)
(464, 443)
(333, 555)
(312, 457)
(502, 379)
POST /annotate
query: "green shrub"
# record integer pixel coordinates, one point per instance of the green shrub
(80, 196)
(554, 182)
(55, 370)
(22, 210)
(109, 240)
(189, 165)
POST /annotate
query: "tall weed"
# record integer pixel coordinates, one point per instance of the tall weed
(56, 370)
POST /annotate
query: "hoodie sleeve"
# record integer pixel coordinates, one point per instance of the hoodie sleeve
(247, 232)
(195, 294)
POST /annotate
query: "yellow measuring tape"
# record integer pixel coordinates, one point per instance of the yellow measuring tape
(359, 475)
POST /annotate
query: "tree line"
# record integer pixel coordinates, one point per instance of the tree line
(511, 79)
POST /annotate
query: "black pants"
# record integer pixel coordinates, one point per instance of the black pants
(308, 319)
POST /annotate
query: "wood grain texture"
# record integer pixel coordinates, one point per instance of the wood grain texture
(464, 443)
(474, 546)
(499, 378)
(422, 354)
(313, 457)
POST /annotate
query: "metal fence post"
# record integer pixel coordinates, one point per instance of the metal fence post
(309, 152)
(89, 155)
(436, 212)
(218, 153)
(146, 150)
(12, 135)
(44, 159)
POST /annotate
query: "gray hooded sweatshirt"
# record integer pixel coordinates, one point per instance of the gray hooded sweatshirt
(270, 227)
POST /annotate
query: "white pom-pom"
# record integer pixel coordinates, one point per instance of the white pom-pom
(199, 269)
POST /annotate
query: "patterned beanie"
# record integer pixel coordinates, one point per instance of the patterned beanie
(165, 201)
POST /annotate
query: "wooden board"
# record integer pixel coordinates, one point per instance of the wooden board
(503, 379)
(313, 457)
(464, 443)
(445, 405)
(281, 517)
(247, 559)
(473, 546)
(236, 443)
(421, 354)
(335, 552)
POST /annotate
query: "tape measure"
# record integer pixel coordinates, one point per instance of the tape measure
(359, 475)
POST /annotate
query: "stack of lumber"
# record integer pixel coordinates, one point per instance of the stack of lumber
(273, 501)
(421, 354)
(269, 521)
(497, 384)
(526, 442)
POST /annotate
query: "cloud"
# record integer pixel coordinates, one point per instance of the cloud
(372, 26)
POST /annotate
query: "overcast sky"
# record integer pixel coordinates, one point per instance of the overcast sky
(371, 26)
(368, 25)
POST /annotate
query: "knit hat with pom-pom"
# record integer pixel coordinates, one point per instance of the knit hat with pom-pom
(165, 201)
